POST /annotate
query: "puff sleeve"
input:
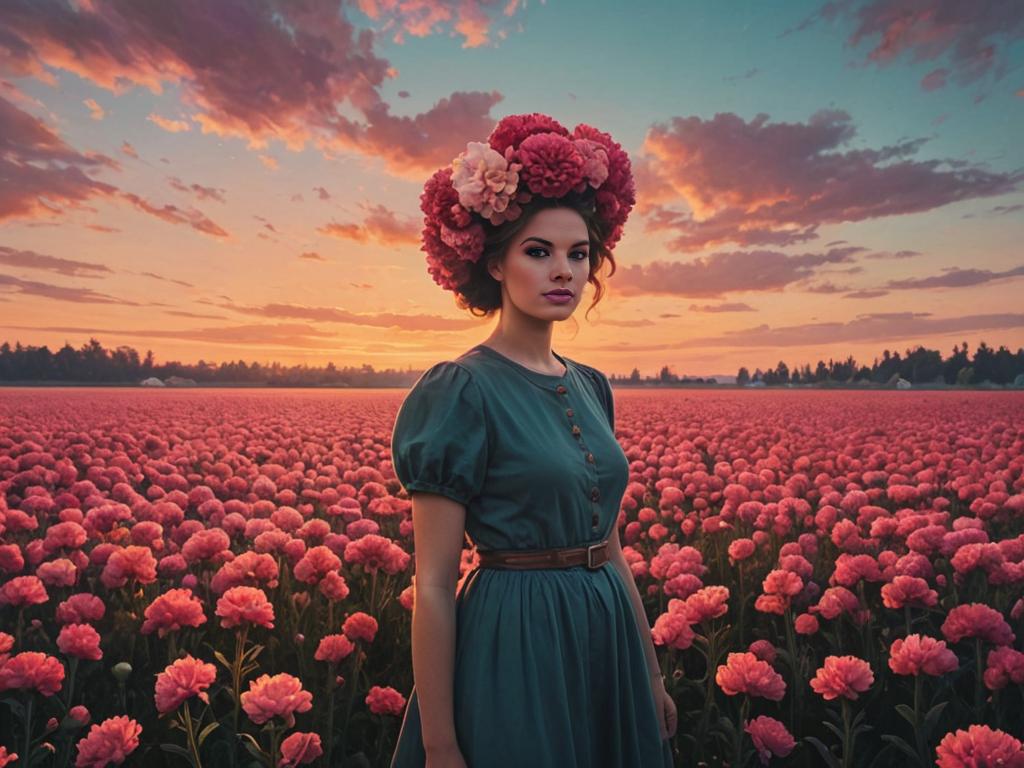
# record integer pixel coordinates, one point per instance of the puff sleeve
(439, 440)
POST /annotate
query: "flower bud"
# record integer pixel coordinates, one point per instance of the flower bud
(122, 671)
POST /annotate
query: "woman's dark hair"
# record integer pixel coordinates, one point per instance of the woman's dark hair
(481, 294)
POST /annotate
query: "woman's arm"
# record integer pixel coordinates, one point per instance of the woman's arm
(439, 533)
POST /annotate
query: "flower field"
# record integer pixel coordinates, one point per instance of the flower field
(224, 577)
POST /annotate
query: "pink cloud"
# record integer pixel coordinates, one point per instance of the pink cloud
(129, 150)
(315, 72)
(311, 256)
(335, 315)
(956, 278)
(265, 335)
(59, 293)
(474, 20)
(878, 327)
(973, 36)
(201, 192)
(95, 110)
(726, 307)
(169, 125)
(725, 272)
(762, 183)
(12, 257)
(381, 226)
(175, 215)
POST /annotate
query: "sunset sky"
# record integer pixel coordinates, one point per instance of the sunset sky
(240, 180)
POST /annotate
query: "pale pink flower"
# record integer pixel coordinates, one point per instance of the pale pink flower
(845, 676)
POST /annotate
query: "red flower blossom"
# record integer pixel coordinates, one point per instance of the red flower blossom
(385, 700)
(174, 609)
(245, 604)
(977, 620)
(80, 608)
(334, 648)
(279, 695)
(80, 641)
(707, 603)
(745, 673)
(181, 681)
(132, 562)
(360, 626)
(108, 742)
(22, 591)
(770, 737)
(32, 670)
(299, 748)
(552, 166)
(979, 746)
(908, 590)
(916, 653)
(845, 676)
(1005, 665)
(315, 564)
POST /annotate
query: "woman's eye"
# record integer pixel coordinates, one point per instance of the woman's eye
(582, 255)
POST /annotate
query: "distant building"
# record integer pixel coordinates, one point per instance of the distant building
(756, 384)
(902, 384)
(152, 381)
(178, 381)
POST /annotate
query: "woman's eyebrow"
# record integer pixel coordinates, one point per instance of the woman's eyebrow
(545, 242)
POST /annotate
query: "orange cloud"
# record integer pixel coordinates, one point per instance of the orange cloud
(474, 20)
(381, 226)
(171, 126)
(335, 315)
(762, 183)
(306, 59)
(59, 293)
(70, 267)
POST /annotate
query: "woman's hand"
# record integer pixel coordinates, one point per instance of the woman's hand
(445, 757)
(665, 707)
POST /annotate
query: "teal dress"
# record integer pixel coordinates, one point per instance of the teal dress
(550, 671)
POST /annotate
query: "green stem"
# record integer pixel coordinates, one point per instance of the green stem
(847, 746)
(28, 729)
(795, 679)
(744, 708)
(275, 735)
(354, 682)
(330, 713)
(917, 720)
(192, 746)
(72, 670)
(236, 669)
(978, 702)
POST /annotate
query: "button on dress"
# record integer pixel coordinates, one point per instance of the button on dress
(550, 670)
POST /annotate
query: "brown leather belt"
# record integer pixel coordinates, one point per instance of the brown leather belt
(593, 556)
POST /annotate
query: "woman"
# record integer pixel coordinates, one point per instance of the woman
(544, 655)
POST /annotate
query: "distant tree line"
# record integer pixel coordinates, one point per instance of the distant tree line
(918, 366)
(93, 364)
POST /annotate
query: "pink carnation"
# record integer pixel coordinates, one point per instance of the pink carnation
(22, 591)
(512, 129)
(279, 695)
(1005, 665)
(182, 680)
(977, 620)
(551, 164)
(299, 749)
(916, 653)
(173, 610)
(745, 673)
(845, 676)
(245, 604)
(32, 670)
(979, 746)
(80, 641)
(108, 742)
(486, 182)
(770, 737)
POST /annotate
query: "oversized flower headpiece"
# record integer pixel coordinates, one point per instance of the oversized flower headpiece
(525, 155)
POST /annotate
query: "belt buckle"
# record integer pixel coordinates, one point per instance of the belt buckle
(590, 559)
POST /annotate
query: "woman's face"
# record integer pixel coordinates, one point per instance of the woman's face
(551, 252)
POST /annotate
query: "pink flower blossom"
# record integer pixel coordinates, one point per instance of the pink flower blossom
(181, 680)
(916, 653)
(22, 591)
(1005, 665)
(979, 746)
(770, 737)
(845, 676)
(32, 670)
(551, 164)
(299, 749)
(977, 620)
(745, 673)
(174, 609)
(80, 641)
(108, 742)
(334, 648)
(279, 695)
(245, 605)
(486, 181)
(385, 700)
